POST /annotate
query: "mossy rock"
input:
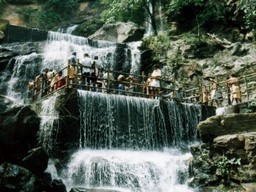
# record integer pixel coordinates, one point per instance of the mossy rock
(3, 24)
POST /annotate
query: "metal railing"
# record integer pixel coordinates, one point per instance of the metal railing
(107, 82)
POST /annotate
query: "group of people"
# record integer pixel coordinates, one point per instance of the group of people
(49, 81)
(87, 67)
(215, 94)
(46, 82)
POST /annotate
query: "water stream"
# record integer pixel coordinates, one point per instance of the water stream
(129, 144)
(126, 143)
(126, 170)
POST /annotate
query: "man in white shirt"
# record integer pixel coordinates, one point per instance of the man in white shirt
(86, 64)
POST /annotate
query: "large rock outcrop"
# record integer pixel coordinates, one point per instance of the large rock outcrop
(22, 161)
(18, 132)
(227, 154)
(119, 32)
(225, 125)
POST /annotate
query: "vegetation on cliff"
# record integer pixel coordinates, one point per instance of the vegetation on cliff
(188, 14)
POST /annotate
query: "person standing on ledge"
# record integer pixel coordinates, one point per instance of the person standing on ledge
(155, 82)
(234, 85)
(73, 69)
(86, 64)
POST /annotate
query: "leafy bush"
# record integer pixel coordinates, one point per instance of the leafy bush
(190, 13)
(225, 166)
(49, 19)
(56, 11)
(120, 10)
(249, 10)
(158, 44)
(27, 14)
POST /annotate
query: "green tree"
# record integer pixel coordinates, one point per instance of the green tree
(190, 13)
(56, 11)
(132, 10)
(248, 7)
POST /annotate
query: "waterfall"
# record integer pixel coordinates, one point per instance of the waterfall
(149, 29)
(128, 171)
(161, 23)
(132, 144)
(23, 71)
(120, 122)
(49, 123)
(114, 121)
(68, 30)
(135, 57)
(55, 55)
(126, 143)
(158, 17)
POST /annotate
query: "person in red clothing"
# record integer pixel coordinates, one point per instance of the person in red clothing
(60, 81)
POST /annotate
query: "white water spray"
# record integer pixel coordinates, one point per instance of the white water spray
(24, 68)
(49, 118)
(133, 171)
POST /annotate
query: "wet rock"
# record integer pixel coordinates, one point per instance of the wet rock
(15, 178)
(227, 155)
(229, 124)
(18, 133)
(3, 25)
(36, 161)
(58, 186)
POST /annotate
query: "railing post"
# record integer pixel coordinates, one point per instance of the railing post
(68, 72)
(76, 74)
(108, 80)
(246, 88)
(143, 84)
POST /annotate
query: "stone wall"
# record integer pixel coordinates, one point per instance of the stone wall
(22, 34)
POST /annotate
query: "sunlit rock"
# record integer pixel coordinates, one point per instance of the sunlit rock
(119, 32)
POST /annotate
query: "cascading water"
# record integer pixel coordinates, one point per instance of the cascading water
(126, 170)
(25, 67)
(131, 144)
(56, 53)
(126, 143)
(113, 121)
(49, 117)
(68, 30)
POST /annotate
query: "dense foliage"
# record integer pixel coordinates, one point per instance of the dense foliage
(138, 11)
(188, 14)
(51, 14)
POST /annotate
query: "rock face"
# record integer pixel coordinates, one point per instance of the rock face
(22, 161)
(18, 129)
(17, 178)
(227, 154)
(119, 32)
(228, 124)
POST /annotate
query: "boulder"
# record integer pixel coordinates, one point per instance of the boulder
(224, 125)
(58, 186)
(36, 161)
(3, 25)
(119, 32)
(16, 178)
(18, 133)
